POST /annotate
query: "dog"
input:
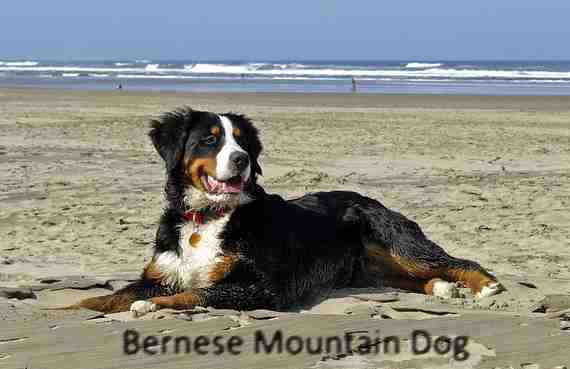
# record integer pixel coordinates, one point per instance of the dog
(224, 242)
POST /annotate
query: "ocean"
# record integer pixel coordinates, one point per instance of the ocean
(405, 76)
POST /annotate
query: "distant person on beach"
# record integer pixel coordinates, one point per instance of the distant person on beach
(353, 84)
(120, 87)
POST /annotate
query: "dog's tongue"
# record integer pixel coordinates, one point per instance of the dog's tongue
(218, 186)
(231, 188)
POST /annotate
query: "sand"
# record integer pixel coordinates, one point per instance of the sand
(486, 177)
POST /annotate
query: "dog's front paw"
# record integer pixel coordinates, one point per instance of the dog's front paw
(142, 307)
(444, 289)
(490, 290)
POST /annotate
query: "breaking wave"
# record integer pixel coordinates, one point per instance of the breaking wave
(422, 65)
(19, 63)
(385, 71)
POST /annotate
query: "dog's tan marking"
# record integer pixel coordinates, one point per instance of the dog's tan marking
(472, 279)
(381, 261)
(216, 131)
(223, 267)
(108, 304)
(236, 132)
(180, 301)
(198, 166)
(152, 272)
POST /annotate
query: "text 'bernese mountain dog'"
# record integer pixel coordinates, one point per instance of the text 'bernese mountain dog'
(224, 242)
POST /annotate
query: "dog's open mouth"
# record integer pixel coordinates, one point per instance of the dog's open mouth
(232, 185)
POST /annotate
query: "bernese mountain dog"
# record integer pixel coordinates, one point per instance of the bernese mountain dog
(224, 242)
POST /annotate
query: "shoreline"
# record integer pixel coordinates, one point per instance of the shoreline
(332, 99)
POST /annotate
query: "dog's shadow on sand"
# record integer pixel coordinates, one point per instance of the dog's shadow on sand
(340, 300)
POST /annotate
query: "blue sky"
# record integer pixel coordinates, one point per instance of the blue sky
(293, 29)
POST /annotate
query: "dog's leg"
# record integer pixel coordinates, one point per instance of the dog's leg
(179, 301)
(150, 285)
(222, 296)
(435, 286)
(122, 299)
(117, 302)
(432, 277)
(396, 249)
(473, 276)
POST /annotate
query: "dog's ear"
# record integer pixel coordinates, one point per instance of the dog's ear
(169, 134)
(255, 157)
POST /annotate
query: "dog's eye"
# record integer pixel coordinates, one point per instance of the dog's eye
(209, 140)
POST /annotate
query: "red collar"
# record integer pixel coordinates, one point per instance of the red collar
(203, 216)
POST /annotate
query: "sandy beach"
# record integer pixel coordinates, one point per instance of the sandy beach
(486, 177)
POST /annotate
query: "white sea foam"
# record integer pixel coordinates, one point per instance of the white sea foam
(492, 74)
(70, 74)
(292, 71)
(152, 68)
(20, 63)
(248, 68)
(418, 65)
(121, 64)
(258, 65)
(70, 69)
(202, 68)
(156, 76)
(219, 77)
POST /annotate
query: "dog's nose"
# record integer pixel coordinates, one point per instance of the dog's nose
(240, 160)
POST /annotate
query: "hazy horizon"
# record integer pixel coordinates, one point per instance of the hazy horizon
(166, 59)
(297, 30)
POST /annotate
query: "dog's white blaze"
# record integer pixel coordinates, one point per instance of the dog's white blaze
(223, 167)
(190, 268)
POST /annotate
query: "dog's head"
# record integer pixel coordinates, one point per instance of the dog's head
(212, 157)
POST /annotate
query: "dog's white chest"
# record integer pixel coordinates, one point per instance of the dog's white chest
(191, 267)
